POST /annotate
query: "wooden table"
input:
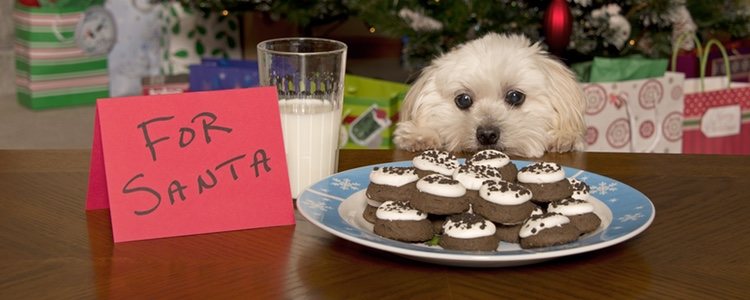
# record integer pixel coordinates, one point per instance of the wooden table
(698, 246)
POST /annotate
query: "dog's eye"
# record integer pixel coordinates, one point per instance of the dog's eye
(515, 98)
(463, 101)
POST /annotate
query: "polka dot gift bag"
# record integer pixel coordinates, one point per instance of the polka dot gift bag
(717, 111)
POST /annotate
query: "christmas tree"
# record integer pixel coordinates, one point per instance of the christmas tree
(598, 28)
(306, 14)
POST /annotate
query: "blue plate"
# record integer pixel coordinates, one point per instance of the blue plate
(336, 203)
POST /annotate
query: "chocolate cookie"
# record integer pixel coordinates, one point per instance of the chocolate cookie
(435, 161)
(392, 183)
(581, 190)
(580, 212)
(468, 232)
(507, 233)
(398, 221)
(441, 195)
(437, 223)
(545, 230)
(369, 213)
(504, 202)
(473, 176)
(546, 181)
(495, 159)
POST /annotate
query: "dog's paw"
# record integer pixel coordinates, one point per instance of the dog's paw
(408, 136)
(565, 141)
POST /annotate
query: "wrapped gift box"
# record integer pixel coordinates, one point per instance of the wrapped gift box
(221, 74)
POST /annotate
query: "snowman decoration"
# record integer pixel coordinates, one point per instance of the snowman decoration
(96, 32)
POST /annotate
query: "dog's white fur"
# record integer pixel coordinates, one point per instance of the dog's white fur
(550, 118)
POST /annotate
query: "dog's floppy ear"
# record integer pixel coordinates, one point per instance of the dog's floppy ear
(409, 106)
(566, 97)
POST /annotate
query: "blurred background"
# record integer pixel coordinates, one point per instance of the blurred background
(162, 46)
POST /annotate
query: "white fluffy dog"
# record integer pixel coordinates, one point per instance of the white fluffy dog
(498, 91)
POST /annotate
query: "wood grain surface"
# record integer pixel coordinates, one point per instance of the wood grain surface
(698, 246)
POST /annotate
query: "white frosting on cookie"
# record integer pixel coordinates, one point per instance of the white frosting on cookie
(468, 226)
(541, 172)
(393, 176)
(398, 211)
(371, 202)
(440, 185)
(436, 161)
(504, 193)
(490, 157)
(537, 212)
(570, 207)
(472, 176)
(536, 224)
(580, 189)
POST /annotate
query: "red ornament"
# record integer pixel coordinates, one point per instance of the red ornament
(558, 25)
(30, 3)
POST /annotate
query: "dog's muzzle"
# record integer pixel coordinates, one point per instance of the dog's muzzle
(488, 135)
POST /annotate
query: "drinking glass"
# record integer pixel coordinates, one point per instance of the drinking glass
(308, 74)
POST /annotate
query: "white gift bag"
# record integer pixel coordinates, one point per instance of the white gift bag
(643, 115)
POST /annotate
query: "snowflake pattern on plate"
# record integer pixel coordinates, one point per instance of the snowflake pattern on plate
(345, 184)
(603, 188)
(330, 204)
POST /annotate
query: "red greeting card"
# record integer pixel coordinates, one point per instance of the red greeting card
(181, 164)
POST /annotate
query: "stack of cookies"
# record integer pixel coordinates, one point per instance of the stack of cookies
(475, 205)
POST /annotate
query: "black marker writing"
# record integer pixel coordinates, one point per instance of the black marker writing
(149, 143)
(186, 134)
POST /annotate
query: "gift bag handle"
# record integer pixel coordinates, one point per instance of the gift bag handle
(58, 34)
(703, 56)
(704, 61)
(679, 41)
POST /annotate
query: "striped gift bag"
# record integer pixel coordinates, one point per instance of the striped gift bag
(51, 69)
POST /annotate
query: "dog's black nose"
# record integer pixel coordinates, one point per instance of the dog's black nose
(488, 135)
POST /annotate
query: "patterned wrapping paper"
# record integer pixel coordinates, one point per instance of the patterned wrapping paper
(642, 115)
(190, 35)
(51, 71)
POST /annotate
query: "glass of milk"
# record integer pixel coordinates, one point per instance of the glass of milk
(308, 74)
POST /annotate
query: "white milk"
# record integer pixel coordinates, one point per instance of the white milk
(311, 131)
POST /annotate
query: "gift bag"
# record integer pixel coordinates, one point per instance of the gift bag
(717, 112)
(643, 115)
(190, 35)
(59, 60)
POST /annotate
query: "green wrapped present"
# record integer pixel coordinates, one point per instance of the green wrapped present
(370, 111)
(59, 60)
